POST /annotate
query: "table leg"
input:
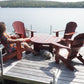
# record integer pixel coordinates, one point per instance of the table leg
(57, 54)
(51, 48)
(36, 47)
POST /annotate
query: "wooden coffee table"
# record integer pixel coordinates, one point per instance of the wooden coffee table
(49, 40)
(44, 41)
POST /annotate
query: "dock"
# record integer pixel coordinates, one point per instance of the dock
(36, 70)
(31, 69)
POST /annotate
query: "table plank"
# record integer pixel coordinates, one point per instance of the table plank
(45, 39)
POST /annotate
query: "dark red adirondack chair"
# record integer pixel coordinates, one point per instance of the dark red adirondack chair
(69, 31)
(76, 44)
(20, 30)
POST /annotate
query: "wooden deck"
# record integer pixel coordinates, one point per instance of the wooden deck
(31, 69)
(36, 70)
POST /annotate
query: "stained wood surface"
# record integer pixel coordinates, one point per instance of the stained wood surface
(45, 39)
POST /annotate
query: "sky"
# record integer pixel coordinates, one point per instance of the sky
(66, 0)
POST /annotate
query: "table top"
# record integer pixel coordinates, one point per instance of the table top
(45, 39)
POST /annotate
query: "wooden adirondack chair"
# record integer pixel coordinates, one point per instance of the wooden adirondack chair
(20, 30)
(17, 52)
(76, 44)
(69, 31)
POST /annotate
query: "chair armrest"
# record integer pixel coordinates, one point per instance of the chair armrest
(57, 32)
(71, 40)
(32, 32)
(68, 41)
(60, 45)
(70, 33)
(13, 36)
(24, 39)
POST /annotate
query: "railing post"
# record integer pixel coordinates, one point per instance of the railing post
(54, 77)
(31, 27)
(50, 29)
(1, 62)
(31, 32)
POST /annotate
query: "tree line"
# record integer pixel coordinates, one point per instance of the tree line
(39, 3)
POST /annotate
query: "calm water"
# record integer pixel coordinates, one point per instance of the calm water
(42, 18)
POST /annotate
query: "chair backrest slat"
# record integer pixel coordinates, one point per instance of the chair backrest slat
(78, 41)
(70, 27)
(19, 29)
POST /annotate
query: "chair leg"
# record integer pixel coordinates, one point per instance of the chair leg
(80, 58)
(57, 55)
(67, 63)
(19, 50)
(9, 56)
(57, 59)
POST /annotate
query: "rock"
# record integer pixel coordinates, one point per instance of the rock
(47, 55)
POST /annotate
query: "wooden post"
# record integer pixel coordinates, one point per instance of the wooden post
(54, 77)
(1, 62)
(31, 32)
(50, 29)
(31, 27)
(28, 32)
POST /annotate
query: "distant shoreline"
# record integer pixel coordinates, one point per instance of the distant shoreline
(35, 7)
(40, 4)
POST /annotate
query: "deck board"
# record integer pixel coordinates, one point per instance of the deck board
(37, 69)
(34, 68)
(75, 77)
(29, 77)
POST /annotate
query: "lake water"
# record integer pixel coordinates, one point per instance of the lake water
(42, 18)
